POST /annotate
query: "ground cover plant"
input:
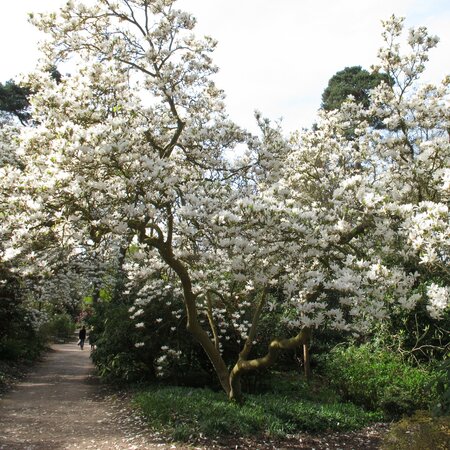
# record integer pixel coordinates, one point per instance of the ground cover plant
(187, 414)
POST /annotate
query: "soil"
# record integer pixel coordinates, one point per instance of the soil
(60, 405)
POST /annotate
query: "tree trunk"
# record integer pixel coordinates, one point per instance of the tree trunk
(306, 362)
(244, 366)
(193, 324)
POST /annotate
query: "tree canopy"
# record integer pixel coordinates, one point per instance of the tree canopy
(354, 81)
(14, 101)
(126, 168)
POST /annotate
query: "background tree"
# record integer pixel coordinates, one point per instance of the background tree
(14, 101)
(354, 81)
(14, 98)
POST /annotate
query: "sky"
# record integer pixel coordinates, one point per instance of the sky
(275, 56)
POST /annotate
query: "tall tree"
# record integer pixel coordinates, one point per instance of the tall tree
(352, 81)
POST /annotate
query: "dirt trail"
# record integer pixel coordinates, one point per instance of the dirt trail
(61, 406)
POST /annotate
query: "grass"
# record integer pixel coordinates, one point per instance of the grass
(187, 413)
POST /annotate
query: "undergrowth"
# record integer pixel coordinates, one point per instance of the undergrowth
(187, 413)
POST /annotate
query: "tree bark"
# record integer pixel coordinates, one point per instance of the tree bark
(306, 362)
(193, 324)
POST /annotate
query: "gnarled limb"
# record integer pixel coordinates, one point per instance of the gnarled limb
(245, 366)
(193, 323)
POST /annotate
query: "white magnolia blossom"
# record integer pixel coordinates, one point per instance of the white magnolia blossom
(126, 162)
(439, 300)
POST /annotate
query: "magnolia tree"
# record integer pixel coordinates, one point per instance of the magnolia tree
(368, 218)
(353, 230)
(130, 149)
(132, 143)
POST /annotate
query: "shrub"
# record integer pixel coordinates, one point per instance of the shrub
(116, 335)
(12, 349)
(21, 348)
(379, 380)
(116, 357)
(60, 328)
(23, 341)
(442, 404)
(419, 432)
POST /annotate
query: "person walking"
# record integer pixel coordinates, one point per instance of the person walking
(82, 337)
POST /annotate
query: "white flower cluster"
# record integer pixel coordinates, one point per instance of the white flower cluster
(36, 318)
(125, 170)
(439, 298)
(166, 360)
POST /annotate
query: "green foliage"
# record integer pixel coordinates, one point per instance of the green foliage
(14, 98)
(419, 432)
(60, 328)
(379, 380)
(188, 413)
(10, 304)
(23, 347)
(115, 355)
(442, 404)
(19, 339)
(14, 101)
(413, 333)
(117, 358)
(353, 81)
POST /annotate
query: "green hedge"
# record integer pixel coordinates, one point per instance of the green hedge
(378, 379)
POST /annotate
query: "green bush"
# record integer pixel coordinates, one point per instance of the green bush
(186, 413)
(12, 349)
(379, 380)
(116, 357)
(60, 328)
(21, 348)
(442, 404)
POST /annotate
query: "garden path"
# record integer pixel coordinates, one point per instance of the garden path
(61, 405)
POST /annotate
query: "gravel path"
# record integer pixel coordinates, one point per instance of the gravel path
(60, 405)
